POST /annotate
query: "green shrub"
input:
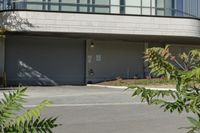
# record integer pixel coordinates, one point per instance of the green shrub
(186, 72)
(28, 122)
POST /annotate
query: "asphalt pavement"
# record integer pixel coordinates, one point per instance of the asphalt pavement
(83, 109)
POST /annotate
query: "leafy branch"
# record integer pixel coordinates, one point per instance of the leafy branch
(185, 70)
(28, 122)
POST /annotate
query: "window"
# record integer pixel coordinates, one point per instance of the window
(35, 4)
(54, 5)
(115, 2)
(115, 6)
(153, 3)
(83, 1)
(198, 12)
(102, 2)
(100, 6)
(133, 2)
(160, 3)
(83, 8)
(160, 7)
(160, 13)
(34, 7)
(179, 7)
(69, 8)
(133, 10)
(194, 8)
(146, 3)
(69, 1)
(146, 11)
(102, 10)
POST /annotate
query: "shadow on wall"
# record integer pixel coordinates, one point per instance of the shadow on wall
(30, 76)
(12, 21)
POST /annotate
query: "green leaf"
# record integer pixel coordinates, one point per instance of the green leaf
(194, 122)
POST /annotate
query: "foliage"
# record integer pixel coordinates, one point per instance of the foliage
(185, 70)
(150, 81)
(28, 122)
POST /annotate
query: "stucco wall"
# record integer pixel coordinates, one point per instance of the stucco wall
(2, 56)
(114, 59)
(98, 23)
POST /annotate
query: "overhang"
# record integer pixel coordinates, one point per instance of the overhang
(57, 22)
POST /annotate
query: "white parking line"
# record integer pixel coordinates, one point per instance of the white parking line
(89, 104)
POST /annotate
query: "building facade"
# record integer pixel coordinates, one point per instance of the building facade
(58, 42)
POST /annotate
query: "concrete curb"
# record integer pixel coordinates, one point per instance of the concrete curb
(125, 87)
(107, 86)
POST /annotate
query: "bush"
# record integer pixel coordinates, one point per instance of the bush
(28, 122)
(186, 72)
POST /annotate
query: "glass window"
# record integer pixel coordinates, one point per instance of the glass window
(34, 0)
(34, 7)
(198, 8)
(187, 7)
(102, 2)
(19, 5)
(153, 11)
(146, 11)
(133, 10)
(69, 8)
(153, 3)
(160, 3)
(115, 9)
(194, 7)
(54, 8)
(54, 1)
(146, 3)
(114, 2)
(102, 9)
(133, 2)
(83, 1)
(179, 7)
(69, 1)
(160, 12)
(83, 8)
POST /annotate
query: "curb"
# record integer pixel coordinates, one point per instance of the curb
(107, 86)
(125, 87)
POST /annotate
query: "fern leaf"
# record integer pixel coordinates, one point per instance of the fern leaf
(30, 114)
(11, 103)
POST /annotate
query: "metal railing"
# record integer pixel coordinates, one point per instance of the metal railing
(80, 7)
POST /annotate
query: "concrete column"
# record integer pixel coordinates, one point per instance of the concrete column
(2, 56)
(146, 69)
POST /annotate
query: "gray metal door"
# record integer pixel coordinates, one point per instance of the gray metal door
(44, 61)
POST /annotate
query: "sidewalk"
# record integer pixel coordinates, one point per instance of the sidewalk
(125, 87)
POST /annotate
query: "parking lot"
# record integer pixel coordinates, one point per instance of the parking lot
(83, 109)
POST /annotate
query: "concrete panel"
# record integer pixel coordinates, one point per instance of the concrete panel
(96, 23)
(107, 60)
(44, 61)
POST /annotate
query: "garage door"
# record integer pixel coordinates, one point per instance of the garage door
(44, 61)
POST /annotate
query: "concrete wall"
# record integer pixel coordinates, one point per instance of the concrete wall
(2, 56)
(107, 60)
(177, 49)
(98, 23)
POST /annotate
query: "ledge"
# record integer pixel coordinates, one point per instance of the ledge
(31, 21)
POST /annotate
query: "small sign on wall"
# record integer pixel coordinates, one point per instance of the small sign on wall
(89, 58)
(98, 57)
